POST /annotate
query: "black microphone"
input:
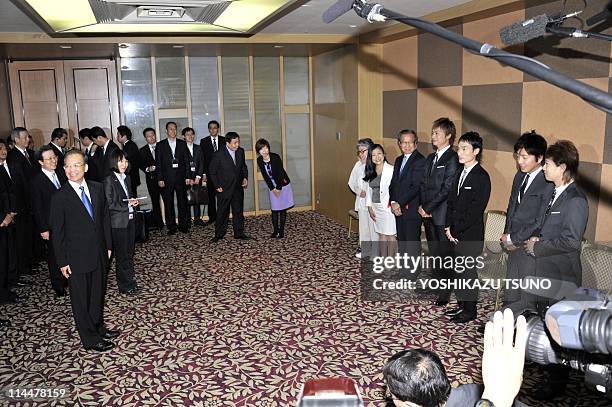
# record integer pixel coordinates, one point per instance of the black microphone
(336, 10)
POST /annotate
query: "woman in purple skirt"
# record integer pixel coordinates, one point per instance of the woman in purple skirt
(281, 195)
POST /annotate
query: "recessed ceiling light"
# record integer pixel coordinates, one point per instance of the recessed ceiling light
(65, 46)
(123, 45)
(353, 26)
(305, 5)
(178, 46)
(279, 46)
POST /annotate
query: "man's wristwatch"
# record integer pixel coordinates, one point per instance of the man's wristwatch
(484, 403)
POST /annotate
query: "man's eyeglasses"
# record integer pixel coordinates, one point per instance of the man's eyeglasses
(361, 151)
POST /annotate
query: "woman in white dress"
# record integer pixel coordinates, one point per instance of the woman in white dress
(378, 173)
(367, 234)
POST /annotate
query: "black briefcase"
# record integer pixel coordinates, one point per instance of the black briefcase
(143, 222)
(197, 195)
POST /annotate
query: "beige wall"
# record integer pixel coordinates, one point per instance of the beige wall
(6, 120)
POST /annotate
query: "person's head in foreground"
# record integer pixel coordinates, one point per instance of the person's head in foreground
(416, 378)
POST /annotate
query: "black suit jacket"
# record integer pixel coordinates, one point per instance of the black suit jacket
(131, 150)
(28, 167)
(465, 213)
(41, 190)
(16, 185)
(164, 160)
(115, 195)
(558, 251)
(207, 150)
(522, 220)
(198, 162)
(60, 156)
(74, 234)
(103, 160)
(148, 160)
(278, 172)
(224, 173)
(437, 183)
(93, 172)
(405, 187)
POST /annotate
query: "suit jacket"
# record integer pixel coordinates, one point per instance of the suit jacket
(405, 187)
(208, 151)
(131, 150)
(224, 173)
(16, 185)
(41, 190)
(385, 182)
(558, 251)
(75, 234)
(146, 160)
(466, 395)
(28, 167)
(60, 156)
(437, 183)
(198, 162)
(103, 160)
(465, 213)
(523, 219)
(115, 195)
(278, 172)
(164, 162)
(93, 172)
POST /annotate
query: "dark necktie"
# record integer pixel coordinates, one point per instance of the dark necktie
(461, 180)
(435, 161)
(86, 202)
(215, 144)
(27, 156)
(4, 171)
(523, 188)
(550, 203)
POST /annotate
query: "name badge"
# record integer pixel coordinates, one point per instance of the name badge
(193, 168)
(131, 216)
(441, 166)
(175, 164)
(555, 213)
(467, 187)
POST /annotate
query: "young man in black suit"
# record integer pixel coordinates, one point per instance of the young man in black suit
(171, 164)
(42, 187)
(81, 237)
(526, 208)
(59, 138)
(147, 165)
(7, 215)
(404, 192)
(229, 174)
(103, 153)
(124, 136)
(440, 169)
(195, 159)
(210, 145)
(467, 202)
(87, 141)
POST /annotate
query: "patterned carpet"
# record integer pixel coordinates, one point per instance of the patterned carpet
(235, 324)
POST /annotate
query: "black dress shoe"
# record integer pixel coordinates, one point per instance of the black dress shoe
(101, 346)
(184, 230)
(441, 303)
(453, 312)
(199, 222)
(243, 237)
(5, 323)
(60, 292)
(131, 291)
(110, 334)
(172, 231)
(211, 222)
(463, 317)
(281, 235)
(481, 329)
(274, 235)
(216, 239)
(23, 284)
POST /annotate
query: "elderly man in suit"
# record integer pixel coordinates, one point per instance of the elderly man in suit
(210, 145)
(229, 174)
(147, 165)
(42, 187)
(124, 136)
(81, 238)
(171, 166)
(404, 192)
(526, 208)
(440, 169)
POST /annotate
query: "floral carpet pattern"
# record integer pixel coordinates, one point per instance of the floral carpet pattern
(236, 324)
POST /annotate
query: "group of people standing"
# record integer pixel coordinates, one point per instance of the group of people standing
(447, 194)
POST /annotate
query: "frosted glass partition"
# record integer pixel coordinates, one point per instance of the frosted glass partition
(264, 195)
(296, 81)
(266, 71)
(171, 87)
(137, 96)
(236, 103)
(204, 80)
(181, 123)
(297, 163)
(249, 193)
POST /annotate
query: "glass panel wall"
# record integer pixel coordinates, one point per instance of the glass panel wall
(297, 163)
(137, 95)
(171, 89)
(204, 82)
(236, 100)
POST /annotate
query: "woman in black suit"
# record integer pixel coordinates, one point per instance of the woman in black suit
(121, 204)
(467, 201)
(281, 194)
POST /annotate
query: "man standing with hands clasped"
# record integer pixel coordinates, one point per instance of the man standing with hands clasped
(81, 236)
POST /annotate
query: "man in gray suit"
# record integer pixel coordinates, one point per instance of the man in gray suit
(526, 207)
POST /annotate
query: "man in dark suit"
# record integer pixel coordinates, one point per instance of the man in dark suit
(124, 136)
(103, 153)
(440, 169)
(59, 138)
(526, 208)
(21, 154)
(171, 164)
(404, 192)
(147, 165)
(42, 187)
(90, 147)
(229, 173)
(7, 251)
(211, 145)
(81, 237)
(467, 202)
(194, 169)
(556, 245)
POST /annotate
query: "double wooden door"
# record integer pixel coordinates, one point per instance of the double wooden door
(68, 94)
